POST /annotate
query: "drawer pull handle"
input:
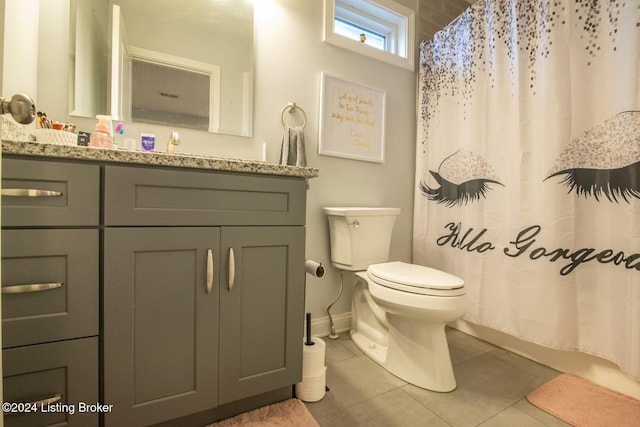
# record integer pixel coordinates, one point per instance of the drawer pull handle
(232, 269)
(37, 404)
(36, 287)
(29, 192)
(209, 271)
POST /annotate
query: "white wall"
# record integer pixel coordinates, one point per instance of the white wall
(20, 47)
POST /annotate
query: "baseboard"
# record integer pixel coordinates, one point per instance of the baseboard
(321, 327)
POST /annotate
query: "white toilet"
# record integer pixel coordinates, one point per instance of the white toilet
(399, 310)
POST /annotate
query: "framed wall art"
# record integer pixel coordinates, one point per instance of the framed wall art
(351, 120)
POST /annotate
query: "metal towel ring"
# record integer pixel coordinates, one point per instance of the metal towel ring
(288, 108)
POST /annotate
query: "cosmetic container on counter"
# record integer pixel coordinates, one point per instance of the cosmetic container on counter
(102, 137)
(148, 142)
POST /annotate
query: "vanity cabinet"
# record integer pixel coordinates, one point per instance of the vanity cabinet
(203, 290)
(172, 295)
(50, 291)
(196, 317)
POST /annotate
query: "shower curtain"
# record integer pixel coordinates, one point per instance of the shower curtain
(528, 170)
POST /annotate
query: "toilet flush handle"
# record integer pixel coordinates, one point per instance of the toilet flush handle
(355, 224)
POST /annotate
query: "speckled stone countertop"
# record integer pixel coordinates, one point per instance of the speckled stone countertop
(182, 160)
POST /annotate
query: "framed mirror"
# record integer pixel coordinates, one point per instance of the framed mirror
(185, 63)
(180, 63)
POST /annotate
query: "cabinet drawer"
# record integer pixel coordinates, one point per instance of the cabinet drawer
(63, 266)
(67, 369)
(146, 196)
(72, 193)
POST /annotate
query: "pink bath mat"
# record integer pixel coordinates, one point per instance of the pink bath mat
(580, 402)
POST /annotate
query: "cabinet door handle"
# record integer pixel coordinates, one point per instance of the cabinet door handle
(209, 271)
(37, 404)
(29, 192)
(35, 287)
(232, 269)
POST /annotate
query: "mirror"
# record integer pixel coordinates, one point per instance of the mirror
(180, 63)
(89, 58)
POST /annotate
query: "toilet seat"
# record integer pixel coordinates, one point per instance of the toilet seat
(415, 279)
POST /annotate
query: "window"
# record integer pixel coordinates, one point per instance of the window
(382, 29)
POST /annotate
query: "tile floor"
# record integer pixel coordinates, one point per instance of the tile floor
(492, 388)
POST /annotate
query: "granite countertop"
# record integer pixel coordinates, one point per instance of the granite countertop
(183, 160)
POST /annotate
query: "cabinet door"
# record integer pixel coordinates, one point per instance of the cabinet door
(160, 323)
(261, 310)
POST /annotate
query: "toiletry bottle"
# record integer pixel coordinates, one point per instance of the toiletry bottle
(148, 142)
(101, 137)
(118, 135)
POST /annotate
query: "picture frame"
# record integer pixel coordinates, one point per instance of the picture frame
(352, 120)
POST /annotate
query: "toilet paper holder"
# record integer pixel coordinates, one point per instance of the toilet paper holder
(308, 341)
(315, 269)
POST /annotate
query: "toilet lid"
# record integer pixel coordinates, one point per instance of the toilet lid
(416, 278)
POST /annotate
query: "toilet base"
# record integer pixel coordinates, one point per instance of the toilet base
(409, 343)
(419, 356)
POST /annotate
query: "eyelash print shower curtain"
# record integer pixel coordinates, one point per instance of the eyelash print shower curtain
(528, 170)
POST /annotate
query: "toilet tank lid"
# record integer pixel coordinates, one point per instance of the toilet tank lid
(415, 275)
(361, 211)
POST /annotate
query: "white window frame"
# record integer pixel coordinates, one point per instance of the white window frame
(395, 21)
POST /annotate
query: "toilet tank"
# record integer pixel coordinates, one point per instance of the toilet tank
(360, 236)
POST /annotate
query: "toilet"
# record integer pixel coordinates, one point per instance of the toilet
(399, 310)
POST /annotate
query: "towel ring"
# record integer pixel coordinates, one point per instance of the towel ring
(290, 107)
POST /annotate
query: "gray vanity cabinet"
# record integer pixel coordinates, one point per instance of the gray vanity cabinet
(203, 290)
(168, 294)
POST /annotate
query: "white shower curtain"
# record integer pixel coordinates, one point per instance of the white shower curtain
(528, 170)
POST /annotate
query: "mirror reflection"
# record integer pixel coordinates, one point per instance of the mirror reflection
(181, 63)
(184, 62)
